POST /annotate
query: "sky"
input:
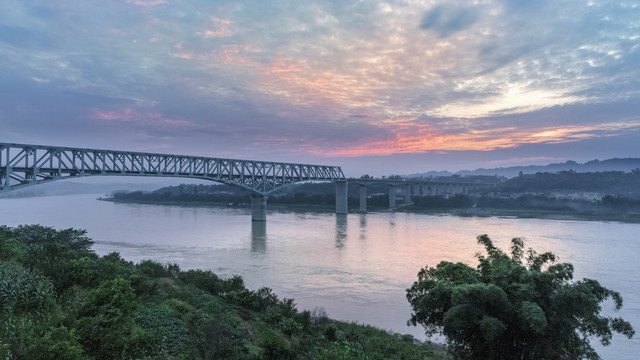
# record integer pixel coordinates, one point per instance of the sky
(377, 87)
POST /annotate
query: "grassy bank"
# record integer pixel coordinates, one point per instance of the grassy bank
(61, 300)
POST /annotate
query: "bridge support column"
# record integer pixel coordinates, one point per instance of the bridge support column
(392, 196)
(259, 207)
(363, 198)
(407, 196)
(341, 197)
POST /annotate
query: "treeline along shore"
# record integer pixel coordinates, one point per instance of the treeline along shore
(605, 195)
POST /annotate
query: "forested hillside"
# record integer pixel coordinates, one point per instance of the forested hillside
(609, 182)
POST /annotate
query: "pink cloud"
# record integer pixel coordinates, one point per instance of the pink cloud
(222, 28)
(148, 2)
(416, 138)
(141, 118)
(218, 33)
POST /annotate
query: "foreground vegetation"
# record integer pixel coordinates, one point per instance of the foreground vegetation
(503, 309)
(59, 299)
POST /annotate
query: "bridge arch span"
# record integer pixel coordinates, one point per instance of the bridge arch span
(24, 165)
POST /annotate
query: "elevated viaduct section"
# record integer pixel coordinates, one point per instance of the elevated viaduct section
(406, 188)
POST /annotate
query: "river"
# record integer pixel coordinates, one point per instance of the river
(357, 266)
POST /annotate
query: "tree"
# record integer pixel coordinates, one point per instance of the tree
(64, 256)
(106, 321)
(57, 343)
(503, 309)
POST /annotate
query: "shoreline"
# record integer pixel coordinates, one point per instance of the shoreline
(629, 217)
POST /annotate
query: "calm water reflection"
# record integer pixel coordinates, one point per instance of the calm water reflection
(356, 266)
(259, 236)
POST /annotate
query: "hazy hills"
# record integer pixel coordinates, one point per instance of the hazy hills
(616, 164)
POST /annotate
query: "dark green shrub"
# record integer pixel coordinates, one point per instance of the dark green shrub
(57, 343)
(169, 332)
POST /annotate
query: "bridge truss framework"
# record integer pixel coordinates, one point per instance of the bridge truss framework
(24, 165)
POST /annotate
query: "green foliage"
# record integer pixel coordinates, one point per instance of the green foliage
(210, 282)
(274, 347)
(223, 338)
(620, 202)
(64, 256)
(351, 340)
(441, 202)
(27, 307)
(113, 265)
(606, 181)
(106, 322)
(170, 333)
(11, 249)
(38, 236)
(504, 309)
(259, 300)
(344, 350)
(58, 299)
(22, 291)
(156, 270)
(57, 343)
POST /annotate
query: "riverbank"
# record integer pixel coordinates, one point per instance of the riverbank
(591, 215)
(628, 217)
(79, 304)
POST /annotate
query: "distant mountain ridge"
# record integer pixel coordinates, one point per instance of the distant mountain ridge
(615, 164)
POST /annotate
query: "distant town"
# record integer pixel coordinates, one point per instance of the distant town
(596, 189)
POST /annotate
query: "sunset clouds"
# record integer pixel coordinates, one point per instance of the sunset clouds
(325, 81)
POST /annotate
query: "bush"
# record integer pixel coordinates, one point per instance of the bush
(170, 333)
(505, 310)
(57, 343)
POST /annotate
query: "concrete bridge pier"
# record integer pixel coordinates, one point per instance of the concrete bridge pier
(259, 207)
(363, 198)
(341, 197)
(392, 196)
(407, 196)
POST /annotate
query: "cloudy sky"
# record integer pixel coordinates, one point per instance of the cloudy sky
(378, 87)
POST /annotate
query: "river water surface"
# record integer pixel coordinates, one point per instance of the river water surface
(357, 266)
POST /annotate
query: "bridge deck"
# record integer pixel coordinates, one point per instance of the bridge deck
(23, 165)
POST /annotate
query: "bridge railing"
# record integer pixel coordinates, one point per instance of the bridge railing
(23, 165)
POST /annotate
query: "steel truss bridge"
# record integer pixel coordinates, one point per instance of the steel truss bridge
(24, 165)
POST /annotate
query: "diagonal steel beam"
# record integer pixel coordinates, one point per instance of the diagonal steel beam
(24, 165)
